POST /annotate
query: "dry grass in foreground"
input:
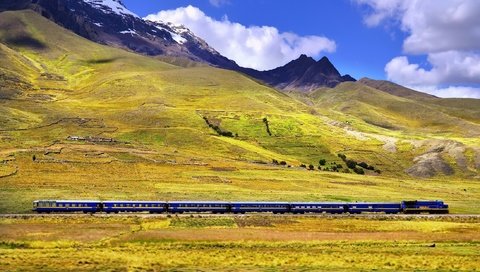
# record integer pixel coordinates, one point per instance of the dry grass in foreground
(235, 243)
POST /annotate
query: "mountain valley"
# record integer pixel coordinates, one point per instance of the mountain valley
(93, 120)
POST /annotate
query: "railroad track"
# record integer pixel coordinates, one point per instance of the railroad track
(187, 215)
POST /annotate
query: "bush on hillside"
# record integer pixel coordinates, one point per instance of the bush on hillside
(363, 165)
(351, 164)
(218, 130)
(359, 171)
(342, 156)
(322, 162)
(267, 125)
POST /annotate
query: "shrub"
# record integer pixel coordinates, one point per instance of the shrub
(218, 130)
(322, 162)
(378, 171)
(370, 167)
(265, 121)
(274, 161)
(351, 164)
(363, 165)
(339, 166)
(342, 156)
(283, 163)
(303, 165)
(359, 171)
(334, 168)
(311, 167)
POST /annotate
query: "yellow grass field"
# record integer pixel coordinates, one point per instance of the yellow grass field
(239, 243)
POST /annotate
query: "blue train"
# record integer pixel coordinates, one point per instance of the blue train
(93, 206)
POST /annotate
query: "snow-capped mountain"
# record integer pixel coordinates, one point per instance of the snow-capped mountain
(111, 6)
(110, 22)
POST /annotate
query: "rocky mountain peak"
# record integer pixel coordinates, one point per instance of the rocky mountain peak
(111, 6)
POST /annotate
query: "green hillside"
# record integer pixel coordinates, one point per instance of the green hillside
(83, 120)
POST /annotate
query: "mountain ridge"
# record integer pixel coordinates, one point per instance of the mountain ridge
(110, 22)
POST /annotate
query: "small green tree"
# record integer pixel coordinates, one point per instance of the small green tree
(322, 162)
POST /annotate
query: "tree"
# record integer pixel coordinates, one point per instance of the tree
(322, 162)
(311, 167)
(283, 163)
(34, 158)
(303, 165)
(342, 156)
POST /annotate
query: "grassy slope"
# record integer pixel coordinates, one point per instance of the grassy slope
(70, 86)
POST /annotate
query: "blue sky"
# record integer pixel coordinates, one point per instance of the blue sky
(364, 38)
(361, 51)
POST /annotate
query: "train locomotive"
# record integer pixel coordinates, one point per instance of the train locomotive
(173, 207)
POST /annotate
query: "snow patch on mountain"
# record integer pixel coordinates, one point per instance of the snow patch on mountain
(129, 31)
(112, 6)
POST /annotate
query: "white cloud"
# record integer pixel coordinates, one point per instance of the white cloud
(447, 31)
(259, 47)
(451, 67)
(448, 92)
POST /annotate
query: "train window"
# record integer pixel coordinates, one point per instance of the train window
(370, 207)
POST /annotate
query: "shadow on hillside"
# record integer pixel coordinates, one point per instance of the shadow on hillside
(24, 41)
(102, 61)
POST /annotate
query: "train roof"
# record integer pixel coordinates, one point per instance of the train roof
(260, 202)
(133, 201)
(312, 203)
(199, 202)
(71, 201)
(354, 203)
